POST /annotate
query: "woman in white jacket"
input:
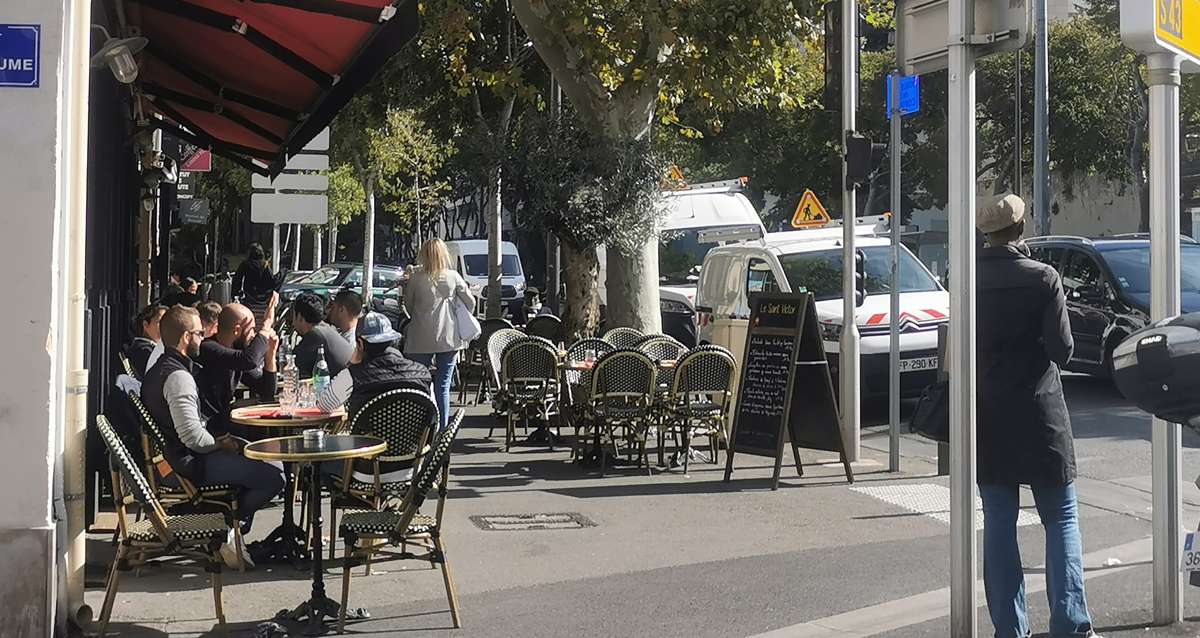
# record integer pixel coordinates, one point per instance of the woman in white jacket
(432, 336)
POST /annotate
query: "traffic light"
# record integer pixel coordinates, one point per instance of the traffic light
(862, 159)
(860, 278)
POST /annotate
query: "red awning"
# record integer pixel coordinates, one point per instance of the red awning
(256, 80)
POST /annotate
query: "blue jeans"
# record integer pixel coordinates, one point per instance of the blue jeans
(257, 481)
(443, 376)
(1003, 579)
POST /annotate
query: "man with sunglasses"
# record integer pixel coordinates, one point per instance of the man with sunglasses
(170, 394)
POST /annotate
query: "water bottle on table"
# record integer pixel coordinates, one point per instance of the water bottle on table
(289, 388)
(320, 375)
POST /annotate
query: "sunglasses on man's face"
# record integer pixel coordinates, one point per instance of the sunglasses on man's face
(196, 333)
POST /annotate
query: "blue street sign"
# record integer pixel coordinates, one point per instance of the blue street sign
(20, 55)
(910, 94)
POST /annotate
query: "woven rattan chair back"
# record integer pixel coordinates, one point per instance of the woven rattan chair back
(403, 418)
(546, 327)
(622, 338)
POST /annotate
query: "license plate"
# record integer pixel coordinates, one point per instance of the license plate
(1191, 554)
(918, 364)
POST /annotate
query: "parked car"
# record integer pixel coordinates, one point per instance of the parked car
(295, 275)
(327, 280)
(812, 260)
(1107, 283)
(390, 303)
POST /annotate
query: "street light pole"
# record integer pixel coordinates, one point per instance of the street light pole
(894, 292)
(961, 350)
(1164, 81)
(850, 338)
(1041, 120)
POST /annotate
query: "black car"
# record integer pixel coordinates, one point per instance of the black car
(327, 280)
(1107, 283)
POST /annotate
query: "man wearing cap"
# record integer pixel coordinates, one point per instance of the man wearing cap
(375, 367)
(1024, 430)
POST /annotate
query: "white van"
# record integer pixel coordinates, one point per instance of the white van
(696, 219)
(812, 260)
(470, 258)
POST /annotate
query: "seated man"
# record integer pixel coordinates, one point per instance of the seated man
(375, 367)
(236, 354)
(208, 322)
(308, 318)
(170, 394)
(145, 337)
(344, 311)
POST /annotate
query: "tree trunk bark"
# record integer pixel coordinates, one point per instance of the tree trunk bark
(633, 289)
(316, 256)
(333, 233)
(494, 228)
(299, 243)
(582, 312)
(368, 240)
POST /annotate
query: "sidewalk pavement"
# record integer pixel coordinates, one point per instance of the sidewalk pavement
(673, 555)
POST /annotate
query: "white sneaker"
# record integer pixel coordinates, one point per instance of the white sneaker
(228, 552)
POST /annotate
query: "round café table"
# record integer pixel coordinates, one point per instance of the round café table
(286, 543)
(295, 450)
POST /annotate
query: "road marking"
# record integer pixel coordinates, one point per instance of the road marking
(931, 605)
(932, 500)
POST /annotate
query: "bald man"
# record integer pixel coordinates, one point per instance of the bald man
(236, 354)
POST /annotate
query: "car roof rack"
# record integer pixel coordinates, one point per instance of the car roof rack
(1184, 238)
(723, 186)
(1071, 238)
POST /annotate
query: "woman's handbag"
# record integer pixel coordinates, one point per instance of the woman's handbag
(465, 322)
(931, 419)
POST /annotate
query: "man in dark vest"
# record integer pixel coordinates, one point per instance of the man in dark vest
(1024, 335)
(170, 394)
(375, 367)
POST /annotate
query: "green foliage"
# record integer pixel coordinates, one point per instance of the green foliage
(225, 187)
(584, 188)
(347, 199)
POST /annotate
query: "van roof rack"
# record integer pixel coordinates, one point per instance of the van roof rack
(727, 185)
(1071, 238)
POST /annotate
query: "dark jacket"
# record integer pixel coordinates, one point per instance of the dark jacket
(138, 352)
(188, 463)
(253, 281)
(221, 369)
(389, 371)
(1023, 336)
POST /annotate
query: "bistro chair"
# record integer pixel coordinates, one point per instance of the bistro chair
(547, 327)
(621, 398)
(403, 418)
(662, 348)
(406, 526)
(474, 361)
(698, 403)
(529, 377)
(128, 366)
(577, 383)
(496, 343)
(172, 489)
(624, 338)
(158, 537)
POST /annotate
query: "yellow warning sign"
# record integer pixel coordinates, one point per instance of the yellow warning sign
(810, 212)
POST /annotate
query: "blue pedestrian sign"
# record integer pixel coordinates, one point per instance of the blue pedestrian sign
(20, 55)
(910, 94)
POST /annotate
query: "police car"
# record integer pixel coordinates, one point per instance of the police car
(812, 260)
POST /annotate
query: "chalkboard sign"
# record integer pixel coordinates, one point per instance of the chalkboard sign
(785, 393)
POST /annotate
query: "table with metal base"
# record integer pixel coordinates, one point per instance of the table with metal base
(313, 612)
(286, 543)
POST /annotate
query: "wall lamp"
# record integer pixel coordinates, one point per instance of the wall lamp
(117, 54)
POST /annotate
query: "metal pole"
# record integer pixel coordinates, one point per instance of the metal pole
(296, 248)
(417, 194)
(316, 262)
(1041, 120)
(1164, 302)
(275, 248)
(963, 601)
(894, 309)
(850, 339)
(1018, 133)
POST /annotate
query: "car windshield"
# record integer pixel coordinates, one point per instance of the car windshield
(820, 272)
(477, 265)
(680, 253)
(1131, 268)
(326, 276)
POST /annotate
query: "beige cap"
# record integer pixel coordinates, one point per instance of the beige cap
(1000, 213)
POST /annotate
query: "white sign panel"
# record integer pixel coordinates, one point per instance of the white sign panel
(298, 194)
(281, 208)
(923, 31)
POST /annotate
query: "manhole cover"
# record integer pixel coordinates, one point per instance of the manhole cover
(519, 522)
